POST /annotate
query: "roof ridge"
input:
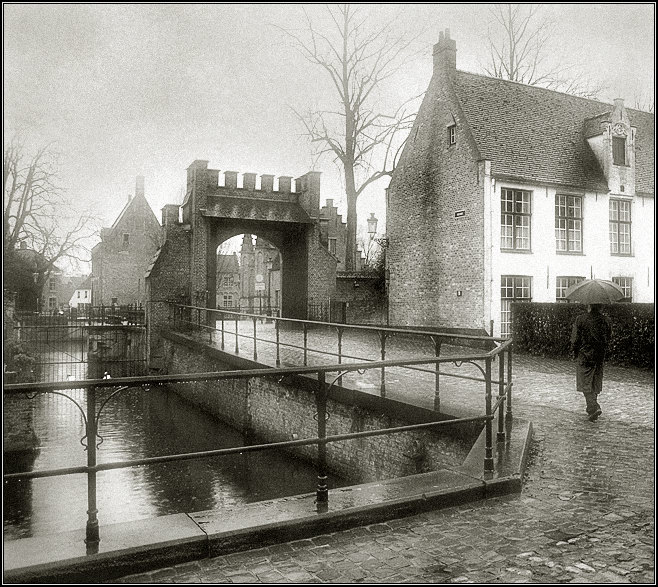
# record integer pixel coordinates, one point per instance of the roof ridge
(531, 87)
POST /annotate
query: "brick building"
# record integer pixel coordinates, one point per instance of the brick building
(121, 259)
(260, 276)
(507, 192)
(228, 281)
(333, 233)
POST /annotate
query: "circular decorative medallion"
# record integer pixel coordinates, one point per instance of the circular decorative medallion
(619, 129)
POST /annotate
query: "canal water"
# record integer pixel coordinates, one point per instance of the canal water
(137, 424)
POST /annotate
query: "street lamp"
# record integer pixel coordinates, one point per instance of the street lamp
(372, 231)
(372, 225)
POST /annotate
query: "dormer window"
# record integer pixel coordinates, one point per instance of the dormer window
(619, 150)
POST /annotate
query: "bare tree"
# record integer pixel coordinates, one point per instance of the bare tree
(363, 140)
(519, 47)
(37, 212)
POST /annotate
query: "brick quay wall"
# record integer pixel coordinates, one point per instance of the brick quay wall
(277, 411)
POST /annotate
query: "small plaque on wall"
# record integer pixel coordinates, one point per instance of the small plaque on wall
(460, 213)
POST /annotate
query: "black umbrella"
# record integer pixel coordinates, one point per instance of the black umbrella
(594, 291)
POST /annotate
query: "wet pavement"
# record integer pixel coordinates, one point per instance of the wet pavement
(585, 514)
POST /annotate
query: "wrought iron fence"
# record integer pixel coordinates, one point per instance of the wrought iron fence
(304, 340)
(501, 405)
(104, 339)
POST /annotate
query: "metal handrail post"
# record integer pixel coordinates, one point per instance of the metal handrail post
(278, 356)
(237, 347)
(382, 338)
(509, 384)
(221, 317)
(92, 533)
(305, 344)
(488, 448)
(322, 492)
(500, 437)
(255, 352)
(437, 352)
(340, 352)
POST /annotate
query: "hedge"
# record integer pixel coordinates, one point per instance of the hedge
(545, 330)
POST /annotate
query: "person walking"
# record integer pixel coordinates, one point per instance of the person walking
(590, 337)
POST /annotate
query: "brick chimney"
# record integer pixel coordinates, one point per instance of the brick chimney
(445, 55)
(139, 186)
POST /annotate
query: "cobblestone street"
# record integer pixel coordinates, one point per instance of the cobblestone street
(585, 515)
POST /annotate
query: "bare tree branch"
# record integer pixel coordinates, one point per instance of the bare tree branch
(357, 61)
(518, 47)
(37, 212)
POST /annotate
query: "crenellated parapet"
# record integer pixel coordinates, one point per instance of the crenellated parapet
(206, 189)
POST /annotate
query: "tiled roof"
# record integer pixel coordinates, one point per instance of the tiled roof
(539, 135)
(254, 209)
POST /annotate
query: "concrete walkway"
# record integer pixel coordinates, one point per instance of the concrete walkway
(585, 515)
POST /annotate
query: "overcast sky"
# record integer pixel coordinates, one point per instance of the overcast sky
(128, 90)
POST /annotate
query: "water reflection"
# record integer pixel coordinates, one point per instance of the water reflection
(138, 424)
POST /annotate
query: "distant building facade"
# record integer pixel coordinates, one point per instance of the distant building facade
(507, 192)
(228, 281)
(260, 275)
(121, 259)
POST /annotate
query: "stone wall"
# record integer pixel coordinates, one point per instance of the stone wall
(435, 218)
(365, 302)
(276, 410)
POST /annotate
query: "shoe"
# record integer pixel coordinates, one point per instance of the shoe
(594, 417)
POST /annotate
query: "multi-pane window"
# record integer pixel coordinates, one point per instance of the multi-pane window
(626, 284)
(228, 281)
(52, 303)
(620, 227)
(618, 150)
(562, 284)
(332, 246)
(569, 223)
(513, 288)
(515, 219)
(452, 134)
(227, 301)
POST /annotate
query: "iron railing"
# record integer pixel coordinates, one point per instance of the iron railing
(91, 415)
(227, 329)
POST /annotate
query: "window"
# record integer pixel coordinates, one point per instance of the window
(86, 292)
(52, 303)
(332, 246)
(618, 150)
(227, 301)
(78, 294)
(452, 134)
(626, 283)
(513, 288)
(52, 283)
(126, 240)
(114, 301)
(228, 281)
(569, 223)
(515, 219)
(562, 284)
(620, 227)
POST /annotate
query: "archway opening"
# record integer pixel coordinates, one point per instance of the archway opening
(248, 275)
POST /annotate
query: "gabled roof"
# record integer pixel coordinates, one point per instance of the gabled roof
(539, 134)
(137, 201)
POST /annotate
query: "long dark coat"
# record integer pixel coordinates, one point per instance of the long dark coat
(590, 337)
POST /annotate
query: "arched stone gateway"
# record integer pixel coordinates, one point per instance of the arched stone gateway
(185, 267)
